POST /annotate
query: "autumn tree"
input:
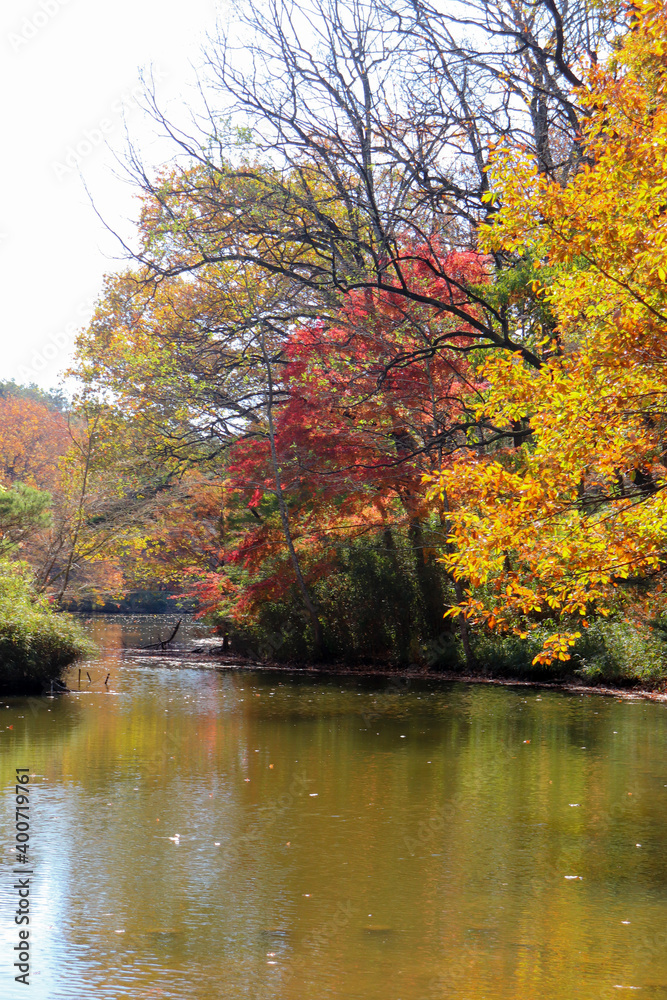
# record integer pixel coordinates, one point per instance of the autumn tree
(300, 259)
(361, 129)
(211, 373)
(573, 523)
(368, 406)
(33, 436)
(196, 363)
(88, 469)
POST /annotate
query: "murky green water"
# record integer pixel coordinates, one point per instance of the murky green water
(245, 835)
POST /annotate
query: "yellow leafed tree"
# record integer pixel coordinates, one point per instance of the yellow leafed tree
(574, 520)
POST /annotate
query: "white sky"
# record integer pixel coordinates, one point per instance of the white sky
(67, 68)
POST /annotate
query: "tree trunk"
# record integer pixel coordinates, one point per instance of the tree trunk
(284, 517)
(430, 584)
(79, 514)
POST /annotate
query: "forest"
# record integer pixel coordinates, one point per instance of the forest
(382, 379)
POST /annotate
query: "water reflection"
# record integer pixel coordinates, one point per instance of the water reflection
(251, 835)
(115, 632)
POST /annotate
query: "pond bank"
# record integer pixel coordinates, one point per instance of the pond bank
(37, 643)
(208, 654)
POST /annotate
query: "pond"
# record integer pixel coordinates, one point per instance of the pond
(199, 834)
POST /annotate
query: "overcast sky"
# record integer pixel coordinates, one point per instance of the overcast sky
(69, 74)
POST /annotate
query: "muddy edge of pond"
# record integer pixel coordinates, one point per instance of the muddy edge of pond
(226, 662)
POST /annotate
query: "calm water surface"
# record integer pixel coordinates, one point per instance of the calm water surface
(201, 835)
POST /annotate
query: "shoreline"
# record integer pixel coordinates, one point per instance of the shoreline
(227, 662)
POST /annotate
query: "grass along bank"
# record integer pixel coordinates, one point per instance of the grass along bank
(36, 643)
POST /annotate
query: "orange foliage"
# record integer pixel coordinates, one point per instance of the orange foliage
(32, 439)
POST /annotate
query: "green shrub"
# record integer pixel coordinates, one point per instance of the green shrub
(608, 652)
(36, 643)
(509, 656)
(371, 609)
(617, 652)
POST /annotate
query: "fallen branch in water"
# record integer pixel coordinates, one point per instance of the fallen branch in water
(164, 642)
